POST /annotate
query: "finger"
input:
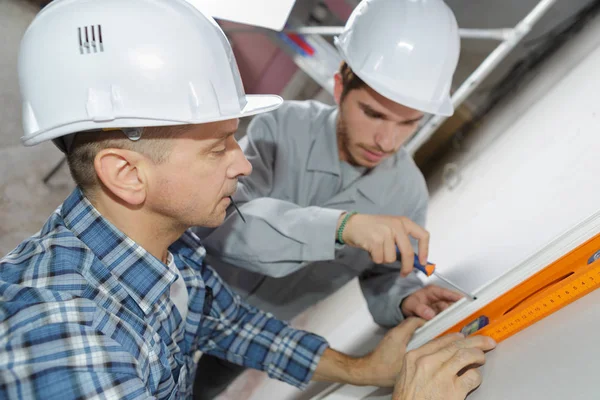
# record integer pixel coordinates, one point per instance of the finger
(484, 343)
(375, 256)
(469, 381)
(376, 252)
(408, 327)
(407, 253)
(463, 358)
(445, 347)
(422, 237)
(440, 306)
(408, 305)
(439, 343)
(423, 250)
(424, 311)
(435, 293)
(457, 355)
(389, 249)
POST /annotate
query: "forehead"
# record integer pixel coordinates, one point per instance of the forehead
(381, 104)
(211, 131)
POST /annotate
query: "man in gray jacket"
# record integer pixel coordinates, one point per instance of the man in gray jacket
(333, 192)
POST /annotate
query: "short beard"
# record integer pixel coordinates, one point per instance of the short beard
(343, 141)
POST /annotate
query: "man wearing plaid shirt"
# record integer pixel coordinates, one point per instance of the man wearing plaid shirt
(112, 298)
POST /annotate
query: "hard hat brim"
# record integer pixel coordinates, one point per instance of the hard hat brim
(260, 103)
(255, 104)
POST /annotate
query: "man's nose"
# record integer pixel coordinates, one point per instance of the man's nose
(241, 166)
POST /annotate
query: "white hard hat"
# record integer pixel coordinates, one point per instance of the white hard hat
(87, 65)
(405, 50)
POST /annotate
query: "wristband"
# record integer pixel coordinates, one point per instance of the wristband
(340, 231)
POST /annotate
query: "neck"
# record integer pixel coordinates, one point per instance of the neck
(151, 232)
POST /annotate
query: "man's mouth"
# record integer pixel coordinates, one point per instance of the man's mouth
(231, 192)
(373, 156)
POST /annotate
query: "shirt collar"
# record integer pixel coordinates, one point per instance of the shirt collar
(143, 276)
(377, 184)
(324, 155)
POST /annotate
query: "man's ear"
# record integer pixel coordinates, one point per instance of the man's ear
(123, 174)
(338, 87)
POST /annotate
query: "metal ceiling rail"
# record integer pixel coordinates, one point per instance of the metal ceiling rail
(485, 68)
(494, 34)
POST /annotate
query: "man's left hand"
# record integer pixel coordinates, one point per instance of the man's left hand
(426, 303)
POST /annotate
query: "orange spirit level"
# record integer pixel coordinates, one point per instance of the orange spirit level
(559, 284)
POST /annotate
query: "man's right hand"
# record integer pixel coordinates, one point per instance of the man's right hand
(443, 369)
(380, 234)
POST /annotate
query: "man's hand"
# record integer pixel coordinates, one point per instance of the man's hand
(431, 370)
(443, 369)
(385, 362)
(426, 303)
(379, 368)
(380, 234)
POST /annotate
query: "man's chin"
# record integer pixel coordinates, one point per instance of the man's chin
(216, 221)
(362, 162)
(212, 221)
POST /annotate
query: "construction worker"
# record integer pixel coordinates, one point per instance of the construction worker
(113, 298)
(328, 176)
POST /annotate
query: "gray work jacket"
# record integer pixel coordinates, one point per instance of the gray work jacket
(285, 258)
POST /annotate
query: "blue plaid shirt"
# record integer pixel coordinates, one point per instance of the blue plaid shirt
(85, 313)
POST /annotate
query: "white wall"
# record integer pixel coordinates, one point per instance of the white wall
(528, 174)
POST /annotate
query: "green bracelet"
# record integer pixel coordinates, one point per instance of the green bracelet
(343, 225)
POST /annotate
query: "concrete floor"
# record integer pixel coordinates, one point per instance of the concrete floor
(25, 202)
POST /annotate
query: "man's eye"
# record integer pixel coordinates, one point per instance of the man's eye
(220, 151)
(371, 114)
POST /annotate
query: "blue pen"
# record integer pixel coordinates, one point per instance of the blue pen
(429, 269)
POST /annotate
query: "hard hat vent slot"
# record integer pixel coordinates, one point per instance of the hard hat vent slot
(90, 39)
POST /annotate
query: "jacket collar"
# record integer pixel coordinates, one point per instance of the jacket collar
(143, 276)
(324, 155)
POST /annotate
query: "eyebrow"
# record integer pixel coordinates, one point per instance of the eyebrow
(219, 138)
(225, 134)
(376, 114)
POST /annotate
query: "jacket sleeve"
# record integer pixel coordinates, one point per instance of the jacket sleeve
(244, 335)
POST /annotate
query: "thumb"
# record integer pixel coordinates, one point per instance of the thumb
(407, 328)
